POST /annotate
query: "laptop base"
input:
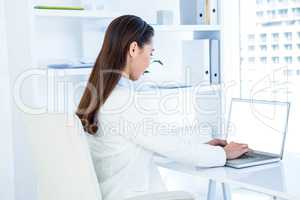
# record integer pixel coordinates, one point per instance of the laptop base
(250, 163)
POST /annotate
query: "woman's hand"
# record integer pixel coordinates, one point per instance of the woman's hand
(234, 150)
(218, 142)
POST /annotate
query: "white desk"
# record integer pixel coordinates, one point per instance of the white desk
(280, 179)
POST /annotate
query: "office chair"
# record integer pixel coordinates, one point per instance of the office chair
(62, 162)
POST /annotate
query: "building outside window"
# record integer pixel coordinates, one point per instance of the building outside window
(263, 47)
(263, 60)
(275, 47)
(263, 37)
(288, 47)
(283, 12)
(251, 48)
(275, 37)
(259, 14)
(296, 11)
(275, 65)
(271, 13)
(275, 60)
(288, 59)
(288, 36)
(251, 60)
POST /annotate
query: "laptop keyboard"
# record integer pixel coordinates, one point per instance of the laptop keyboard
(250, 157)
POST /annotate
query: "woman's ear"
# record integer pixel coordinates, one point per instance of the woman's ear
(133, 49)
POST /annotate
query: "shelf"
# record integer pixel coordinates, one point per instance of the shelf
(187, 27)
(84, 14)
(69, 71)
(88, 14)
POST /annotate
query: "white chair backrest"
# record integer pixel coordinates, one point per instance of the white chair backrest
(61, 158)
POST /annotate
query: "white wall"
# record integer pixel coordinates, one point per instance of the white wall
(18, 40)
(230, 54)
(6, 149)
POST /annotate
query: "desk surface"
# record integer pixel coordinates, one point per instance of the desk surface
(280, 179)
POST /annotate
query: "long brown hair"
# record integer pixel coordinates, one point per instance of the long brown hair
(110, 62)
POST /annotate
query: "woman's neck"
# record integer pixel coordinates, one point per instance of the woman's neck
(126, 73)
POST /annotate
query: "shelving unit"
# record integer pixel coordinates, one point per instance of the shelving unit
(67, 34)
(193, 28)
(79, 14)
(86, 14)
(71, 71)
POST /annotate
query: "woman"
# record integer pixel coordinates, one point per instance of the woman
(122, 147)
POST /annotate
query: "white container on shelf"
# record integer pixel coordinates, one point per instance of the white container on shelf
(164, 17)
(93, 4)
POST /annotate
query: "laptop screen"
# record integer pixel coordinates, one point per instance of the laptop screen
(260, 124)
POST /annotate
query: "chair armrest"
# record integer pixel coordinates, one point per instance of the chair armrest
(172, 195)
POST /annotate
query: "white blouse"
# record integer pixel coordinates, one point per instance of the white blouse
(128, 138)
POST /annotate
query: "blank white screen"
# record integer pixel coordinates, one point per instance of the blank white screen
(260, 125)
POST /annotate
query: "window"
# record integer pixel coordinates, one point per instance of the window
(288, 47)
(259, 2)
(260, 14)
(275, 47)
(288, 59)
(263, 47)
(282, 1)
(296, 11)
(251, 38)
(263, 60)
(278, 54)
(251, 48)
(283, 12)
(275, 60)
(251, 60)
(271, 13)
(275, 36)
(263, 37)
(288, 36)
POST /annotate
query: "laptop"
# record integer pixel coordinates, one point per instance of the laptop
(260, 124)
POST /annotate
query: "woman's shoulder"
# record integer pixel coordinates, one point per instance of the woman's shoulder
(125, 101)
(119, 95)
(119, 99)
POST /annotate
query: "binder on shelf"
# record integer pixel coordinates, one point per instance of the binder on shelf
(196, 61)
(213, 12)
(207, 10)
(187, 12)
(192, 12)
(214, 61)
(201, 14)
